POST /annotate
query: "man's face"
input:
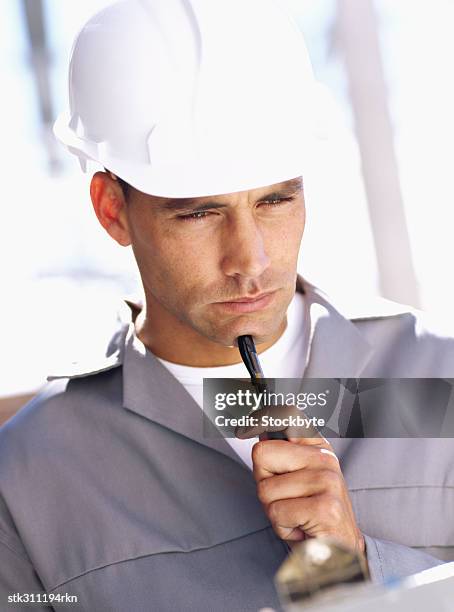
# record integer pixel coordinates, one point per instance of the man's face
(197, 256)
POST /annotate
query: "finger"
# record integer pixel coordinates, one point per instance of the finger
(302, 483)
(270, 457)
(293, 534)
(315, 516)
(320, 441)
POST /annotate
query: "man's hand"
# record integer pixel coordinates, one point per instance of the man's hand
(301, 487)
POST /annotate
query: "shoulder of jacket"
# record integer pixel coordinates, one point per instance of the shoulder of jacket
(57, 402)
(26, 422)
(85, 367)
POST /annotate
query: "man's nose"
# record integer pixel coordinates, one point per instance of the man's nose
(244, 251)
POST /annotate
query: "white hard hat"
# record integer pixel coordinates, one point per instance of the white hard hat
(187, 98)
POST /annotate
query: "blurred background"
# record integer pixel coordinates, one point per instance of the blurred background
(380, 198)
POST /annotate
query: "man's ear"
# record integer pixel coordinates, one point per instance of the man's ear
(110, 207)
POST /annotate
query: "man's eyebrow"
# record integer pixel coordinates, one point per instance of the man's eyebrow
(194, 204)
(295, 184)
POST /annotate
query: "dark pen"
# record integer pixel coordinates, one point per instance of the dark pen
(250, 358)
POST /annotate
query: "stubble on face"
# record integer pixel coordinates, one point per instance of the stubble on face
(189, 268)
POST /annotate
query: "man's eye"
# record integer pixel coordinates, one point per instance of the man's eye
(202, 214)
(196, 216)
(277, 201)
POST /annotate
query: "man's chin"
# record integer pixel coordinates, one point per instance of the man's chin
(265, 327)
(260, 333)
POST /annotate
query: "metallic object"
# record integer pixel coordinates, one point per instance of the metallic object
(315, 568)
(323, 576)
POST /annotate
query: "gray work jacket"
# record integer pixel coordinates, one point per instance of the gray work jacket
(110, 492)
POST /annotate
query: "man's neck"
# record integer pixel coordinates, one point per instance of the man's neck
(170, 339)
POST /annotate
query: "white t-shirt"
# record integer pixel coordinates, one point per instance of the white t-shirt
(284, 359)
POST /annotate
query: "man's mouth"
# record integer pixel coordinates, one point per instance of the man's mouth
(248, 303)
(246, 299)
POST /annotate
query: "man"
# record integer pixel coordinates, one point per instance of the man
(110, 493)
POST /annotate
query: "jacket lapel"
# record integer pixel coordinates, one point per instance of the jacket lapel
(336, 347)
(335, 350)
(149, 389)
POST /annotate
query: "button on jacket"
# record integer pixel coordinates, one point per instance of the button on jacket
(109, 491)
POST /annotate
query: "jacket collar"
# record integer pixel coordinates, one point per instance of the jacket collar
(149, 389)
(336, 349)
